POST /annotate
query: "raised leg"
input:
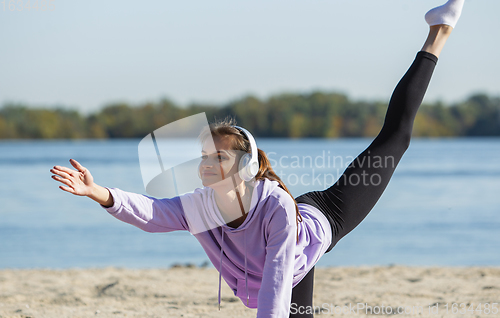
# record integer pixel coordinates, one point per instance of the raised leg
(347, 202)
(351, 198)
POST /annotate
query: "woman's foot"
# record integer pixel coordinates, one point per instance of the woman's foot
(447, 14)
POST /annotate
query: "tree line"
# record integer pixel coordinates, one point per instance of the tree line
(287, 115)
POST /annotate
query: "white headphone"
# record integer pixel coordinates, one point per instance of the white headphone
(249, 162)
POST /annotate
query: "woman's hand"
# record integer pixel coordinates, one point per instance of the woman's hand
(78, 182)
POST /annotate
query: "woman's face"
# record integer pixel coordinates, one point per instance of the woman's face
(219, 164)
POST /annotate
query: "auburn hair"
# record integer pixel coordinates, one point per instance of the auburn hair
(224, 130)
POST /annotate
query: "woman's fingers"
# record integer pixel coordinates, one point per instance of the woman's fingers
(67, 189)
(64, 169)
(77, 182)
(61, 173)
(62, 180)
(77, 165)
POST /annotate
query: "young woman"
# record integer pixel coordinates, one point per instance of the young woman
(264, 243)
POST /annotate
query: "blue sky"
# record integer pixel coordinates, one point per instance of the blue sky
(84, 55)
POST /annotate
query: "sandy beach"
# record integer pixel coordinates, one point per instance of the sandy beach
(192, 292)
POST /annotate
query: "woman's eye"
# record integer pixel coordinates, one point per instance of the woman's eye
(218, 157)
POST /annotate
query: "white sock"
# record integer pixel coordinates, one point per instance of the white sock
(447, 14)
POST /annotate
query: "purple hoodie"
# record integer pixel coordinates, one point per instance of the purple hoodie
(261, 260)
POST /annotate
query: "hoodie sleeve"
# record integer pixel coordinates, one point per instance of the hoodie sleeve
(147, 213)
(275, 293)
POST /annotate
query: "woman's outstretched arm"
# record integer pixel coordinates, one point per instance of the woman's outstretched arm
(81, 182)
(147, 213)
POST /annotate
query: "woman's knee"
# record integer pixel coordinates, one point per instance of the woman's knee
(398, 140)
(405, 140)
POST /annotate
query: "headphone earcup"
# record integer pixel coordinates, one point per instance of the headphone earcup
(246, 169)
(242, 167)
(254, 168)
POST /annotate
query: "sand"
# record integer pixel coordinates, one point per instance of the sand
(192, 292)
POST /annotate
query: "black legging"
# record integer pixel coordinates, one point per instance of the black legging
(347, 202)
